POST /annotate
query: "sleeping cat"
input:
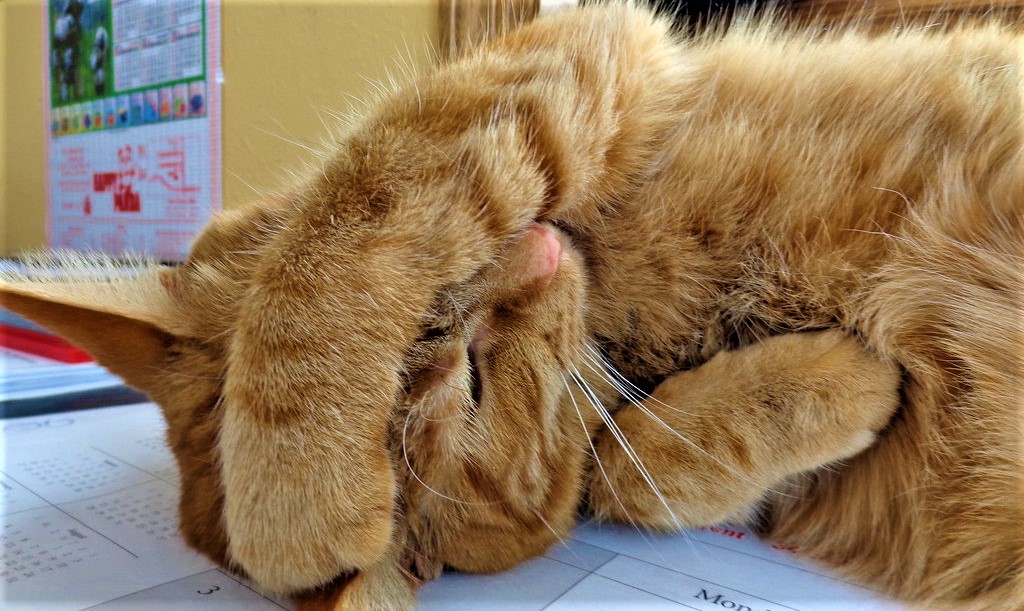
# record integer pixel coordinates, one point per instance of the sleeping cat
(757, 275)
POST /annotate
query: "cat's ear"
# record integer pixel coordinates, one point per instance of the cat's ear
(125, 323)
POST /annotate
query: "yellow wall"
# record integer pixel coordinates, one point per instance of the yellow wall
(286, 63)
(3, 130)
(24, 188)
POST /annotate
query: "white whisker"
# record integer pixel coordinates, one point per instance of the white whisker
(600, 467)
(606, 418)
(564, 542)
(412, 471)
(623, 442)
(593, 451)
(636, 390)
(606, 370)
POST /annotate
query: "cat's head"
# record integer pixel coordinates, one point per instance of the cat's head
(495, 340)
(164, 330)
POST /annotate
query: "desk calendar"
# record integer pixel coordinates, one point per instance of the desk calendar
(89, 501)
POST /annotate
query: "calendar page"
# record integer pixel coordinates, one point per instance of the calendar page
(89, 499)
(89, 503)
(133, 123)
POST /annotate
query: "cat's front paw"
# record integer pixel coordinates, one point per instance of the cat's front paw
(851, 394)
(708, 442)
(298, 513)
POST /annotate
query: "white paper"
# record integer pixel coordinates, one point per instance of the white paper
(12, 361)
(89, 499)
(26, 376)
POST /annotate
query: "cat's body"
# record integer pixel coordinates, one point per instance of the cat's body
(404, 349)
(863, 186)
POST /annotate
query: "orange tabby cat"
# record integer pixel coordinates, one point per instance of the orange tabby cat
(806, 247)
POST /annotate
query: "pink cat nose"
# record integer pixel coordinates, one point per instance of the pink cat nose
(533, 258)
(545, 251)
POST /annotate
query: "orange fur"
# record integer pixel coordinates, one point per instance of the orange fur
(807, 246)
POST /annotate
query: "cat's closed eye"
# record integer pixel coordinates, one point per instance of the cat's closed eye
(472, 355)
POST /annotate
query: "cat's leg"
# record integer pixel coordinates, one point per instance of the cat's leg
(707, 444)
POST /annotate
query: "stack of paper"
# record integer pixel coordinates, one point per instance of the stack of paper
(31, 385)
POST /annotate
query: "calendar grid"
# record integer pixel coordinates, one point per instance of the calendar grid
(577, 582)
(99, 473)
(68, 515)
(631, 587)
(708, 581)
(172, 481)
(134, 595)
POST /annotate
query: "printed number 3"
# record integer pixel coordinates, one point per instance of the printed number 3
(211, 590)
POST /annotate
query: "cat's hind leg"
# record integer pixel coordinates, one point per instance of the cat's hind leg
(708, 443)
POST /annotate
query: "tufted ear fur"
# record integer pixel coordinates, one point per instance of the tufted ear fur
(124, 323)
